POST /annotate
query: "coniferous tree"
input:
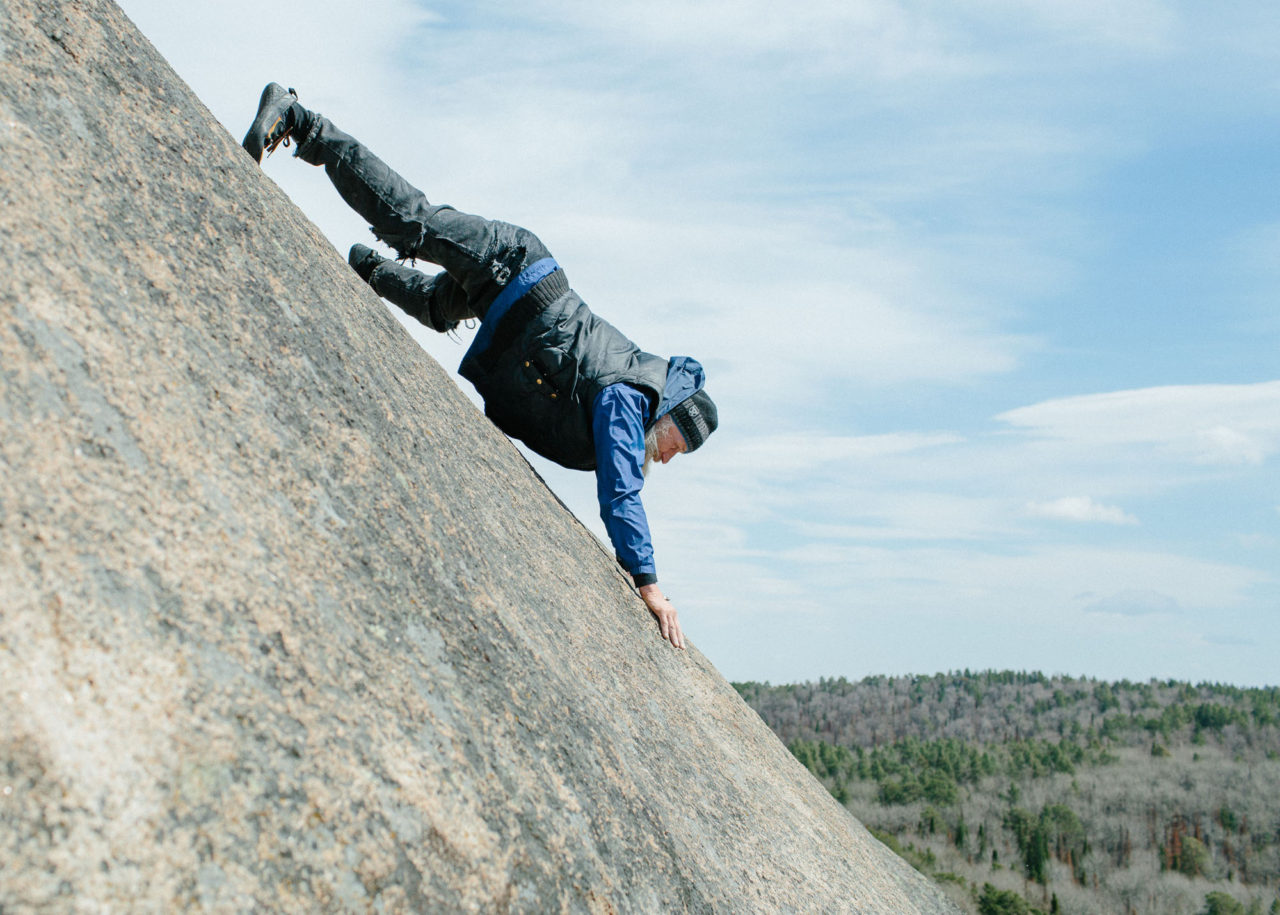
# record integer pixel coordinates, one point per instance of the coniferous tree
(1001, 902)
(1219, 903)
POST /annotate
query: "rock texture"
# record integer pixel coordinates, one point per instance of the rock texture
(285, 624)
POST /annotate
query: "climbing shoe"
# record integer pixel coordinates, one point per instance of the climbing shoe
(274, 121)
(364, 260)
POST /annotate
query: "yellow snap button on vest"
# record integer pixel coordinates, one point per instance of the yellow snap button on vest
(537, 381)
(553, 395)
(526, 365)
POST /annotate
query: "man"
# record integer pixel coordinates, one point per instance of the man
(551, 373)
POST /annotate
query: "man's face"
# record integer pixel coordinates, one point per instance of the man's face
(670, 441)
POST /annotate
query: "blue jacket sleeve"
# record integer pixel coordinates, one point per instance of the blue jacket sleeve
(617, 424)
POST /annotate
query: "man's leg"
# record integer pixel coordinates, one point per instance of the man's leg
(437, 301)
(481, 255)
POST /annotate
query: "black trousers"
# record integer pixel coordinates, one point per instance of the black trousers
(479, 256)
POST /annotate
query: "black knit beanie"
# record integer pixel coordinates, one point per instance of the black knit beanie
(696, 418)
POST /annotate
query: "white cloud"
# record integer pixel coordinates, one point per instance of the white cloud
(1080, 508)
(1224, 445)
(894, 41)
(1204, 424)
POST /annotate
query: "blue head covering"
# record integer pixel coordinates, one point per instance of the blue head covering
(685, 377)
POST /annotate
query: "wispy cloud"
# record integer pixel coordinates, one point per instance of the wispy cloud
(1080, 508)
(1133, 603)
(1211, 423)
(1146, 26)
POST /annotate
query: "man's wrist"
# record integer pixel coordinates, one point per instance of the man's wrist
(645, 578)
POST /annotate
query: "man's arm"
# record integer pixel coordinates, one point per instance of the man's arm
(618, 419)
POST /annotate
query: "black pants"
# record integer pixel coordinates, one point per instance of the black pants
(479, 256)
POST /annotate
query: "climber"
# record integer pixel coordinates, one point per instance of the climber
(552, 374)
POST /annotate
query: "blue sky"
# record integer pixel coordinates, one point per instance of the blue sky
(986, 290)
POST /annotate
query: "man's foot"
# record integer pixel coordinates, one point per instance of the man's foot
(364, 260)
(272, 125)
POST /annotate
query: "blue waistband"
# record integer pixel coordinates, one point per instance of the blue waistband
(513, 292)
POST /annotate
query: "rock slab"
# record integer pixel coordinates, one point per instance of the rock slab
(285, 623)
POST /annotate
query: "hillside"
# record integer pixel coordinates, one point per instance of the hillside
(1077, 795)
(285, 623)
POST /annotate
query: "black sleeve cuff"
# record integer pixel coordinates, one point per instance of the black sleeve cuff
(645, 578)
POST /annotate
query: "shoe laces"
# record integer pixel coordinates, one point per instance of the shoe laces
(284, 139)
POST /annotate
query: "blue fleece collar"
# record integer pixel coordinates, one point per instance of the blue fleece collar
(685, 377)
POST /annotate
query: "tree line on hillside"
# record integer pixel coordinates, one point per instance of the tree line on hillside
(998, 706)
(1071, 794)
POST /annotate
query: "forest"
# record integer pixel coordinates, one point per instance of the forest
(1021, 793)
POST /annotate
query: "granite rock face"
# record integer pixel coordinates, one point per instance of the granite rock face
(285, 623)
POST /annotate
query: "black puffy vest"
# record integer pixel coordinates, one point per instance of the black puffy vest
(548, 358)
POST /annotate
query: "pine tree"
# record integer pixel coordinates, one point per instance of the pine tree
(1218, 903)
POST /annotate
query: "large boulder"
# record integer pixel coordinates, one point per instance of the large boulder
(285, 623)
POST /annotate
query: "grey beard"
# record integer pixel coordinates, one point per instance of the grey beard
(650, 449)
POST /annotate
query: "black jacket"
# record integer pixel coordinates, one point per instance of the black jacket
(540, 363)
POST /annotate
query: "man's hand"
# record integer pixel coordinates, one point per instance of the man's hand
(660, 607)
